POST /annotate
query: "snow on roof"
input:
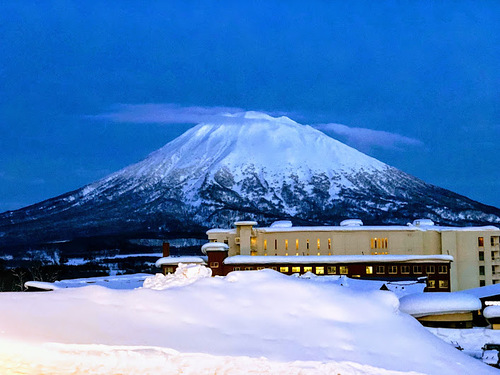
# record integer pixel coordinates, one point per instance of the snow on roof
(484, 291)
(172, 260)
(40, 285)
(422, 304)
(492, 312)
(374, 228)
(334, 259)
(214, 246)
(248, 222)
(282, 224)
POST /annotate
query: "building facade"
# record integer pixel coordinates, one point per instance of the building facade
(475, 250)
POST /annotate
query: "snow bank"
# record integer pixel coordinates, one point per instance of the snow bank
(421, 304)
(185, 274)
(250, 321)
(170, 260)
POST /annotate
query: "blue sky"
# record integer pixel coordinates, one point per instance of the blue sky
(412, 83)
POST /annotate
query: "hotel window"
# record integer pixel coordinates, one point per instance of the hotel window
(442, 269)
(380, 269)
(482, 282)
(369, 270)
(286, 245)
(307, 244)
(296, 269)
(308, 269)
(405, 269)
(275, 244)
(417, 269)
(495, 240)
(379, 243)
(430, 269)
(274, 268)
(248, 268)
(265, 245)
(237, 269)
(329, 244)
(283, 269)
(170, 269)
(431, 284)
(226, 242)
(297, 245)
(481, 255)
(260, 268)
(319, 244)
(332, 270)
(344, 270)
(320, 270)
(393, 269)
(443, 284)
(480, 241)
(214, 264)
(481, 270)
(493, 270)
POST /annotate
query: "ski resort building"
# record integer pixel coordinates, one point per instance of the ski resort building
(449, 258)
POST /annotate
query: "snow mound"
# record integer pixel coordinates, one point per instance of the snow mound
(185, 274)
(492, 312)
(422, 304)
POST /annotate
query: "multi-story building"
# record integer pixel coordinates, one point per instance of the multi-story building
(475, 250)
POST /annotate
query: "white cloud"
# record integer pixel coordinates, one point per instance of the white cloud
(167, 113)
(365, 139)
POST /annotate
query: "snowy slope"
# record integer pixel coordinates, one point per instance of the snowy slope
(251, 166)
(250, 320)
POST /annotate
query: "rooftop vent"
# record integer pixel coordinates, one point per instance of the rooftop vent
(351, 223)
(420, 222)
(282, 224)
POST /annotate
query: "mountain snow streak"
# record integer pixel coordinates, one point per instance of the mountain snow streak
(252, 166)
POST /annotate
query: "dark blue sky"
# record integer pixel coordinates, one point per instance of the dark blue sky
(425, 73)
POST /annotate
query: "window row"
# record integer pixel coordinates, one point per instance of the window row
(494, 241)
(442, 284)
(344, 270)
(375, 243)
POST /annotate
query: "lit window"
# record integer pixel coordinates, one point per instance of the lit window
(329, 244)
(393, 269)
(442, 269)
(430, 269)
(443, 284)
(481, 255)
(431, 284)
(297, 245)
(265, 245)
(283, 269)
(319, 244)
(481, 270)
(369, 270)
(405, 269)
(286, 254)
(214, 264)
(308, 269)
(344, 270)
(236, 268)
(319, 253)
(380, 269)
(297, 254)
(286, 245)
(248, 268)
(307, 245)
(170, 270)
(417, 269)
(495, 240)
(379, 243)
(480, 241)
(296, 269)
(260, 268)
(320, 270)
(332, 270)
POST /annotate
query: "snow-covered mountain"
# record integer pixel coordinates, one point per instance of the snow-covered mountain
(250, 166)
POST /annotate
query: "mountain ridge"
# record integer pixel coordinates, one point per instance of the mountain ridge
(249, 166)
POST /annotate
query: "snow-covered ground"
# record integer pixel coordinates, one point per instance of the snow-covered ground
(258, 322)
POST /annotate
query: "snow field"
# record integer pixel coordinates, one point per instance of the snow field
(248, 320)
